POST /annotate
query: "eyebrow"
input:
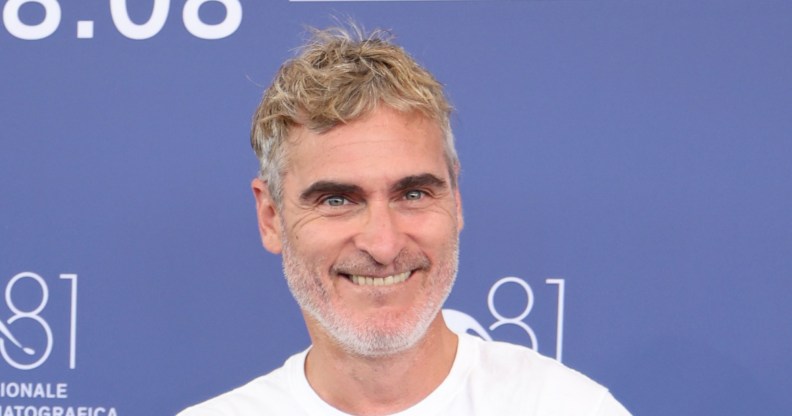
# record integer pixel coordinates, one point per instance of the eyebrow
(408, 182)
(419, 181)
(328, 187)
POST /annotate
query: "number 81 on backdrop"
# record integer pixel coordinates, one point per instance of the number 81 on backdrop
(462, 322)
(26, 337)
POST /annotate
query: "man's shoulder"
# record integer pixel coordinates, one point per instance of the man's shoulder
(505, 358)
(520, 376)
(269, 392)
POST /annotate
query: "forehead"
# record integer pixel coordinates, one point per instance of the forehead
(384, 144)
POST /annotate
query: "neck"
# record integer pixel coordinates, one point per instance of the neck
(373, 386)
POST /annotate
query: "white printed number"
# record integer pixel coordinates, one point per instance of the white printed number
(16, 27)
(463, 323)
(519, 320)
(16, 351)
(123, 23)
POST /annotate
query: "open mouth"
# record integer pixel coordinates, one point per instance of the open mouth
(379, 281)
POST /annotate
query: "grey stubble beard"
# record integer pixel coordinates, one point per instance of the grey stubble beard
(365, 340)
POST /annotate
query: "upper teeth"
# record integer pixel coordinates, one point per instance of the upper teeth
(380, 281)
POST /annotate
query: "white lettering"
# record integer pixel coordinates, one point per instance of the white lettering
(26, 390)
(62, 391)
(21, 30)
(73, 326)
(516, 320)
(229, 25)
(13, 390)
(132, 30)
(32, 315)
(21, 410)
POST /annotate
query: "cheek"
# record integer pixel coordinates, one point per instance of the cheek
(319, 241)
(437, 239)
(436, 229)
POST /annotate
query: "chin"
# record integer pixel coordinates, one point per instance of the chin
(387, 335)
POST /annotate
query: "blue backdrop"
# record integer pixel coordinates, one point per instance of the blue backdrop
(626, 186)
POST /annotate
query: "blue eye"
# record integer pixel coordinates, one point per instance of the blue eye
(413, 195)
(335, 201)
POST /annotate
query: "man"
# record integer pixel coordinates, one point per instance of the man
(358, 191)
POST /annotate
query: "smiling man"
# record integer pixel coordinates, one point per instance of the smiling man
(358, 191)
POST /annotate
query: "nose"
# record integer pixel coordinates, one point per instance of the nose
(381, 235)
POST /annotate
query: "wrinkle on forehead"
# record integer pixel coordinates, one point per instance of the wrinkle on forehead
(301, 134)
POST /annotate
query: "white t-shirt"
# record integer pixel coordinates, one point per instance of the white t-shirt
(487, 378)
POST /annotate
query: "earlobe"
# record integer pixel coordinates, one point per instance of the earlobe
(268, 217)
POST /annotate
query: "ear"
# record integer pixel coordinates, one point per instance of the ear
(268, 217)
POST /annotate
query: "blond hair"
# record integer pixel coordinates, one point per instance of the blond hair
(337, 77)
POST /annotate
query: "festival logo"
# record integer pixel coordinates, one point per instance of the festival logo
(26, 336)
(506, 313)
(26, 343)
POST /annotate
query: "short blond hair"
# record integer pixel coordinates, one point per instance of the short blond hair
(337, 77)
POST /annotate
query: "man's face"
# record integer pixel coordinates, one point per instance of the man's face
(369, 229)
